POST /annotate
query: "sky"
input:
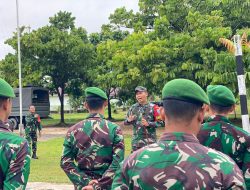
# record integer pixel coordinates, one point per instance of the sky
(90, 14)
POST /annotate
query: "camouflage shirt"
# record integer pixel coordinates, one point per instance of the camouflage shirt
(178, 161)
(14, 160)
(142, 135)
(220, 134)
(32, 124)
(97, 147)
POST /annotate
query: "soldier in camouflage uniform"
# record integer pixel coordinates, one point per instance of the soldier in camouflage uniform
(32, 125)
(14, 152)
(219, 133)
(178, 160)
(141, 116)
(94, 147)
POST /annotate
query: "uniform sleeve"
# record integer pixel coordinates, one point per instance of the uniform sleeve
(156, 124)
(39, 125)
(233, 180)
(77, 177)
(28, 120)
(126, 122)
(19, 170)
(120, 180)
(118, 156)
(246, 166)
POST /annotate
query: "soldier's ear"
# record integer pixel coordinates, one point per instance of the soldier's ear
(201, 114)
(162, 114)
(232, 108)
(86, 105)
(105, 103)
(5, 104)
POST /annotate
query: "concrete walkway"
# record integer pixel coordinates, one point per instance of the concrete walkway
(48, 186)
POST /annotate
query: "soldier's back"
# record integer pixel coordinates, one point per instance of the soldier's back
(93, 140)
(178, 161)
(14, 160)
(219, 133)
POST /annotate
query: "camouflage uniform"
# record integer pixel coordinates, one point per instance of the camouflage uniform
(97, 146)
(220, 134)
(14, 160)
(142, 135)
(32, 125)
(178, 161)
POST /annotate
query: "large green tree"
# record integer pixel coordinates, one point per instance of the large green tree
(174, 38)
(60, 51)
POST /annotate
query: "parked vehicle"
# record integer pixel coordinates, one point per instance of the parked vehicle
(37, 96)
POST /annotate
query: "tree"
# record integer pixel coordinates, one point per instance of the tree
(104, 74)
(60, 51)
(176, 39)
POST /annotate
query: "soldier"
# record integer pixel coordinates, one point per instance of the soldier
(141, 116)
(94, 144)
(33, 123)
(14, 152)
(219, 133)
(178, 160)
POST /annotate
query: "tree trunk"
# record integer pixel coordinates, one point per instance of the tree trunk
(61, 98)
(109, 106)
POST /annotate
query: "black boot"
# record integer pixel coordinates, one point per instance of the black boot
(34, 155)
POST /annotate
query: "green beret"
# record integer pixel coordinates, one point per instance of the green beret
(184, 90)
(94, 91)
(6, 90)
(220, 95)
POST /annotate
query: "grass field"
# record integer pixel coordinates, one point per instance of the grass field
(47, 167)
(72, 118)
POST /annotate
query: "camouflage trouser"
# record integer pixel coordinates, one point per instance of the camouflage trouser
(32, 140)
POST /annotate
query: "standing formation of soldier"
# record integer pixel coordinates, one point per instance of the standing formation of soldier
(188, 155)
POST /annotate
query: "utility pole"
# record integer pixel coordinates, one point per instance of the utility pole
(21, 127)
(241, 83)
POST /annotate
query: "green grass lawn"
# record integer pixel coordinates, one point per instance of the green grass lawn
(72, 118)
(47, 167)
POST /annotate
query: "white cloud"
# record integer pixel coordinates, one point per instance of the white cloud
(90, 14)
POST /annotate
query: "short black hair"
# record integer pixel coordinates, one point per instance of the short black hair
(220, 109)
(95, 102)
(2, 100)
(181, 110)
(31, 105)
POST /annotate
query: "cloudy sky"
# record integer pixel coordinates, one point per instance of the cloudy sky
(90, 14)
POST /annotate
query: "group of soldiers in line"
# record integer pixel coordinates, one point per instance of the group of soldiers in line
(189, 155)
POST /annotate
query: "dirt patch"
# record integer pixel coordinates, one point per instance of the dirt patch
(48, 186)
(55, 132)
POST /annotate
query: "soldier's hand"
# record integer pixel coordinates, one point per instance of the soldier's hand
(131, 118)
(92, 182)
(88, 187)
(144, 122)
(36, 115)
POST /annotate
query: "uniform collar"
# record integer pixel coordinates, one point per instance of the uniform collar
(95, 115)
(4, 126)
(142, 105)
(218, 118)
(178, 136)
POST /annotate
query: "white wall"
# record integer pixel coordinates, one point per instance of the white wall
(55, 103)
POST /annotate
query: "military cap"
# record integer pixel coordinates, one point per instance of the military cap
(220, 95)
(184, 90)
(6, 90)
(94, 91)
(140, 89)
